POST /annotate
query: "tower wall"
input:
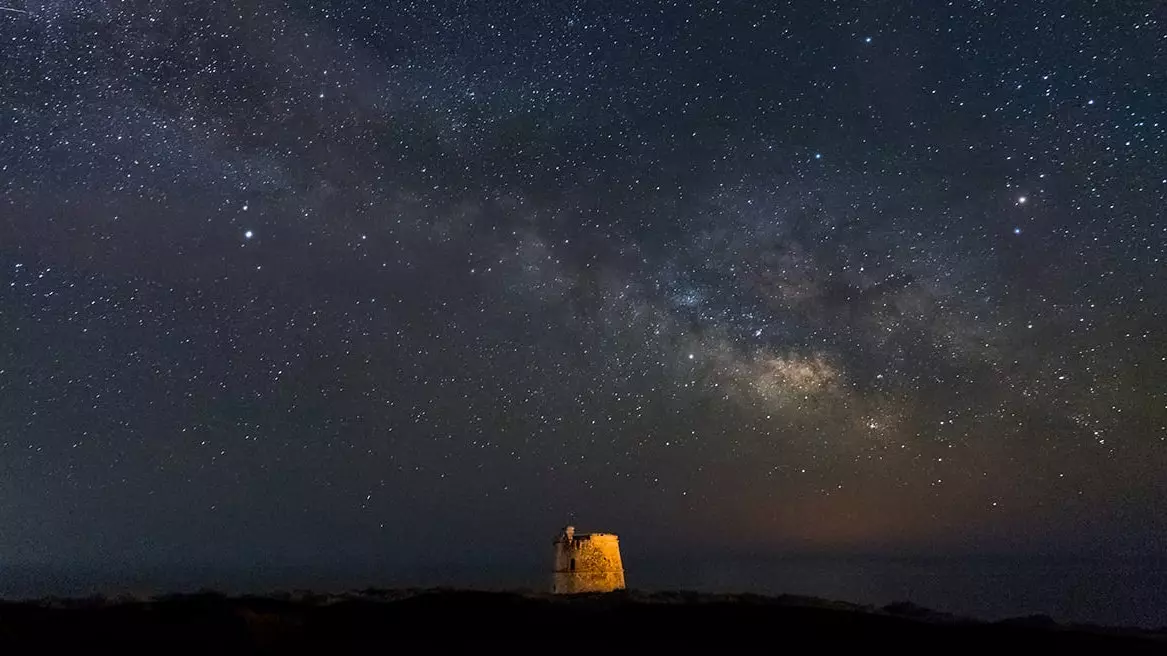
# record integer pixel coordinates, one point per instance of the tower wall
(587, 563)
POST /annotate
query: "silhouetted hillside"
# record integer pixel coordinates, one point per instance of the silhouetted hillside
(374, 621)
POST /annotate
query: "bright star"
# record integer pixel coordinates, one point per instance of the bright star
(248, 235)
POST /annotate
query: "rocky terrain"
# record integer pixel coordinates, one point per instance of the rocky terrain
(380, 621)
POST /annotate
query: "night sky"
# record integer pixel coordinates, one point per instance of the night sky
(402, 285)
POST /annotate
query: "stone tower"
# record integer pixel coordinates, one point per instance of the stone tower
(587, 562)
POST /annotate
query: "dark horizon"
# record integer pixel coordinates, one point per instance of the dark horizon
(1101, 591)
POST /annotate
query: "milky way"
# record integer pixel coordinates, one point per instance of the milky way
(326, 282)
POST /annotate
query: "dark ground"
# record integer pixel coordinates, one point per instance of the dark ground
(384, 621)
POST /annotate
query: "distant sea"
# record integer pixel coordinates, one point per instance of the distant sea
(1113, 592)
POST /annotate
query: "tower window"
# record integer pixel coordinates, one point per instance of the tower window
(573, 564)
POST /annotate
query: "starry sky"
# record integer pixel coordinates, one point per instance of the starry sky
(400, 284)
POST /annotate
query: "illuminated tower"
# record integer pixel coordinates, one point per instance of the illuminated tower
(587, 562)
